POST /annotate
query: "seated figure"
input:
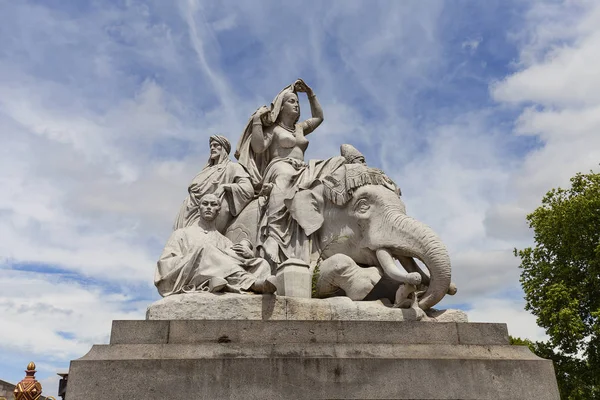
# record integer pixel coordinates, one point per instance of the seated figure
(199, 258)
(220, 176)
(272, 150)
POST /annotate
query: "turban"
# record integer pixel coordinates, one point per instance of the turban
(222, 140)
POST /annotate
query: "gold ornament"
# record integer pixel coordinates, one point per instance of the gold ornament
(29, 388)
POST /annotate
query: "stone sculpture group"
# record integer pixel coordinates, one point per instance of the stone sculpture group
(343, 221)
(267, 279)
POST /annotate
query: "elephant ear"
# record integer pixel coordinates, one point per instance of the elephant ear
(306, 207)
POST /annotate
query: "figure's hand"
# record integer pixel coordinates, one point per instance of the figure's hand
(242, 250)
(265, 190)
(260, 114)
(226, 187)
(302, 87)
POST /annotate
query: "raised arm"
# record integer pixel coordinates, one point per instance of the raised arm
(315, 108)
(260, 140)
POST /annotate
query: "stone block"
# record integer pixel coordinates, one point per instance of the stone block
(482, 333)
(130, 332)
(240, 359)
(206, 305)
(447, 315)
(277, 332)
(230, 306)
(293, 279)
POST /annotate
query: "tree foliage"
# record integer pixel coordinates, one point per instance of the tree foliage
(561, 280)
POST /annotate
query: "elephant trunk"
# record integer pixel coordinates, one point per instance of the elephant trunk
(411, 238)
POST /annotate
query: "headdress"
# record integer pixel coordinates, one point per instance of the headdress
(222, 140)
(350, 153)
(255, 164)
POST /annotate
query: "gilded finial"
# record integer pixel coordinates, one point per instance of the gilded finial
(29, 388)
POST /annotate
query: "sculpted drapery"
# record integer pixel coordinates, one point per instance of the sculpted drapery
(218, 171)
(293, 216)
(272, 150)
(192, 256)
(256, 162)
(200, 258)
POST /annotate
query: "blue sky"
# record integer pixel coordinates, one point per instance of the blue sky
(475, 109)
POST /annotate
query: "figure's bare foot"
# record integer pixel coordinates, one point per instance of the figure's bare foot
(413, 279)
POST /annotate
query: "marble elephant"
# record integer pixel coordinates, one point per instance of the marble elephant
(372, 228)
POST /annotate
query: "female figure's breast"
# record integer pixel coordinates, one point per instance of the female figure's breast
(288, 144)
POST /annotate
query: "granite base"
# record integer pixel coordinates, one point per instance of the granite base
(238, 359)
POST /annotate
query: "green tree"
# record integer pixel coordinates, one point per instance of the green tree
(561, 280)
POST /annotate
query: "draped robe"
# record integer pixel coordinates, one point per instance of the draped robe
(192, 256)
(206, 182)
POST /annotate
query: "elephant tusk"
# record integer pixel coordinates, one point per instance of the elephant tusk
(391, 269)
(452, 289)
(410, 265)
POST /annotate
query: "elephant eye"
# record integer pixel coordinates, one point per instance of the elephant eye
(361, 206)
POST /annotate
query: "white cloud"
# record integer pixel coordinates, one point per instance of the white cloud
(507, 222)
(471, 45)
(45, 315)
(566, 77)
(520, 322)
(51, 319)
(481, 273)
(564, 88)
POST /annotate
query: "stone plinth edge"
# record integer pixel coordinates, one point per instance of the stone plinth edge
(309, 332)
(229, 306)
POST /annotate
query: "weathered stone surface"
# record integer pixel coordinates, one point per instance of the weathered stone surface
(150, 332)
(311, 360)
(6, 389)
(231, 306)
(293, 279)
(482, 333)
(286, 332)
(447, 315)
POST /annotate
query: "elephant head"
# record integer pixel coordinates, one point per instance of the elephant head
(369, 224)
(358, 212)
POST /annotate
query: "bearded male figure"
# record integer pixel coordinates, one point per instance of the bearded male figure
(199, 258)
(220, 176)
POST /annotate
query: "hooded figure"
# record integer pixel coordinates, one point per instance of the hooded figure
(254, 162)
(272, 150)
(222, 177)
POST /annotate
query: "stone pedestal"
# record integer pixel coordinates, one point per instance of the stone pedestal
(293, 279)
(245, 359)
